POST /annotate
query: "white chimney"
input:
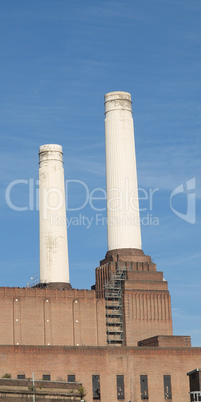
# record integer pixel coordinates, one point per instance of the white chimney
(53, 231)
(122, 190)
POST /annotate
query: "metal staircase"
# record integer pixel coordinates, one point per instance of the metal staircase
(114, 307)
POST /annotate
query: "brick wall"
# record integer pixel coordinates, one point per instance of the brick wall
(28, 397)
(35, 316)
(166, 341)
(42, 384)
(146, 313)
(17, 390)
(147, 306)
(107, 362)
(59, 317)
(146, 299)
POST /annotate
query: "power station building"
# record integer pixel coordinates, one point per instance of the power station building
(116, 339)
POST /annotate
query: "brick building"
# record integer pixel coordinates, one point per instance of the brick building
(116, 339)
(58, 333)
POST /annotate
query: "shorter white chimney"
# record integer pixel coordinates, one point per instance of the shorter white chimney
(54, 266)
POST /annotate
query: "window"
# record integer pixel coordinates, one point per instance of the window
(96, 386)
(71, 378)
(21, 376)
(144, 387)
(120, 387)
(46, 377)
(167, 387)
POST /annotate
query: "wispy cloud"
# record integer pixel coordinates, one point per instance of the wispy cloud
(172, 261)
(181, 314)
(183, 164)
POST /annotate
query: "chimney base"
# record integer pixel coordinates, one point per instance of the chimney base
(54, 285)
(125, 254)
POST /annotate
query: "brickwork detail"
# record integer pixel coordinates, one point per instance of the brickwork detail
(107, 362)
(51, 317)
(146, 300)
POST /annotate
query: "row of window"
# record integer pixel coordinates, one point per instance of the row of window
(96, 386)
(167, 387)
(47, 377)
(119, 384)
(143, 386)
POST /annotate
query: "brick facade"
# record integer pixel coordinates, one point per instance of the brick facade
(167, 341)
(146, 299)
(45, 316)
(131, 362)
(32, 316)
(69, 330)
(22, 390)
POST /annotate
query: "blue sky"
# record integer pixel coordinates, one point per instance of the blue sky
(58, 59)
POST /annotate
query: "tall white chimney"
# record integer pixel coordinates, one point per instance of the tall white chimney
(122, 190)
(54, 266)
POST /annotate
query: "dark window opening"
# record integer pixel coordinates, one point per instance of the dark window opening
(195, 397)
(96, 386)
(71, 378)
(144, 387)
(167, 387)
(21, 376)
(120, 387)
(46, 377)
